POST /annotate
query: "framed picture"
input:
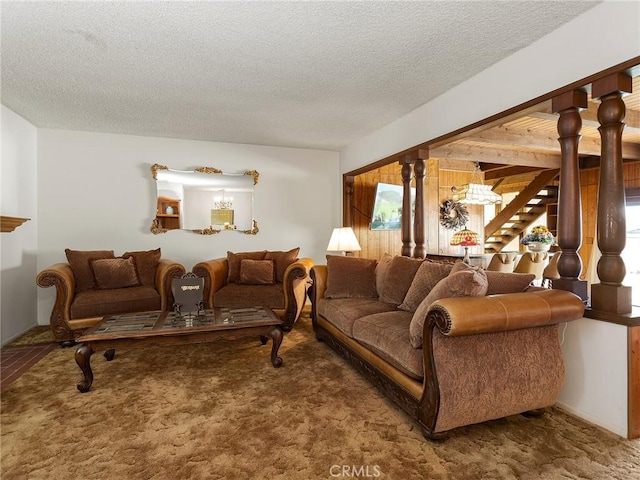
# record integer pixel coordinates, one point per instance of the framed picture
(387, 207)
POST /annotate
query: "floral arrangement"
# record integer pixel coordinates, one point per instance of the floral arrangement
(539, 233)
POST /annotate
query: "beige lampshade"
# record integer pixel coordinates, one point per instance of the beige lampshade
(343, 240)
(475, 194)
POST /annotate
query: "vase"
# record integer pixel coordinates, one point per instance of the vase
(538, 246)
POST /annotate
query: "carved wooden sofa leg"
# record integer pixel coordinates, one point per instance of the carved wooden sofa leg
(434, 437)
(538, 412)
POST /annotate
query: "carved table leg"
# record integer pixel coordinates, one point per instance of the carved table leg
(276, 336)
(83, 359)
(109, 354)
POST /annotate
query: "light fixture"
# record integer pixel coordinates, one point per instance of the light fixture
(222, 203)
(222, 213)
(343, 240)
(476, 192)
(465, 238)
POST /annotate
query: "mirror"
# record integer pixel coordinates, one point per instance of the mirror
(204, 200)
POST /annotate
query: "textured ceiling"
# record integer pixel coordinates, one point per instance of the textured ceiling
(299, 74)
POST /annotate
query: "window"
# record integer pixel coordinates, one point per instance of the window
(630, 252)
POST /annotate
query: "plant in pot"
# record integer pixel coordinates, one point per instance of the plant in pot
(539, 240)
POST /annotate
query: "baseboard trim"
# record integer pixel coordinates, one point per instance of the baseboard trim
(588, 418)
(16, 336)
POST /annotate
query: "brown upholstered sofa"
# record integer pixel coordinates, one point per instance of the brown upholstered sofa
(452, 345)
(92, 284)
(275, 279)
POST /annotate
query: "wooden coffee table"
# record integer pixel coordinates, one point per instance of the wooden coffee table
(135, 330)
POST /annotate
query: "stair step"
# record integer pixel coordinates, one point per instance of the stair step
(530, 212)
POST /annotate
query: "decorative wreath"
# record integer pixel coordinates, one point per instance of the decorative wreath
(453, 215)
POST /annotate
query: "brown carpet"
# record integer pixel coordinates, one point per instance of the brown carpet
(222, 411)
(38, 335)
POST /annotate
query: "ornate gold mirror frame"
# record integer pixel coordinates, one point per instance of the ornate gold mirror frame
(204, 200)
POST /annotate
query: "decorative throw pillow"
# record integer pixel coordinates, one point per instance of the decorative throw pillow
(234, 260)
(282, 260)
(427, 276)
(417, 324)
(394, 277)
(502, 282)
(460, 266)
(115, 272)
(350, 277)
(467, 282)
(257, 272)
(146, 263)
(463, 281)
(79, 263)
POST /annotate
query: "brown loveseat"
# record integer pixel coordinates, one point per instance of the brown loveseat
(275, 279)
(96, 283)
(452, 345)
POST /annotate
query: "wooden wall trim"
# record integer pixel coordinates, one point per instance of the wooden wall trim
(628, 319)
(632, 196)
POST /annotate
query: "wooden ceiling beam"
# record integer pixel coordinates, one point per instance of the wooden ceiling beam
(631, 118)
(457, 165)
(508, 136)
(590, 118)
(508, 172)
(456, 151)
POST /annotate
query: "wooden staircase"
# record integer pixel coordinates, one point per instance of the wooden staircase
(521, 212)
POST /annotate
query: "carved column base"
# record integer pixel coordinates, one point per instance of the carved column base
(609, 298)
(573, 285)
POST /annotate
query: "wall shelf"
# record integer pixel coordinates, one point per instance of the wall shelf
(9, 224)
(169, 221)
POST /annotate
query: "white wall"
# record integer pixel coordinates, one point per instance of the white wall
(95, 191)
(604, 36)
(18, 248)
(595, 385)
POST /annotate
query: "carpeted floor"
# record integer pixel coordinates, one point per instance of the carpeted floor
(38, 335)
(221, 411)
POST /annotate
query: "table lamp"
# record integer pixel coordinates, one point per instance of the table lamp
(465, 238)
(343, 240)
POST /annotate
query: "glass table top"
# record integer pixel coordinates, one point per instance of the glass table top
(139, 323)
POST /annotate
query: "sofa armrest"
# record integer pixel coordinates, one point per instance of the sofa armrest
(165, 272)
(60, 275)
(215, 273)
(517, 328)
(496, 313)
(295, 284)
(318, 286)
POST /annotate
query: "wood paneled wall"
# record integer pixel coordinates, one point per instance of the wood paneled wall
(375, 243)
(589, 180)
(448, 179)
(589, 197)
